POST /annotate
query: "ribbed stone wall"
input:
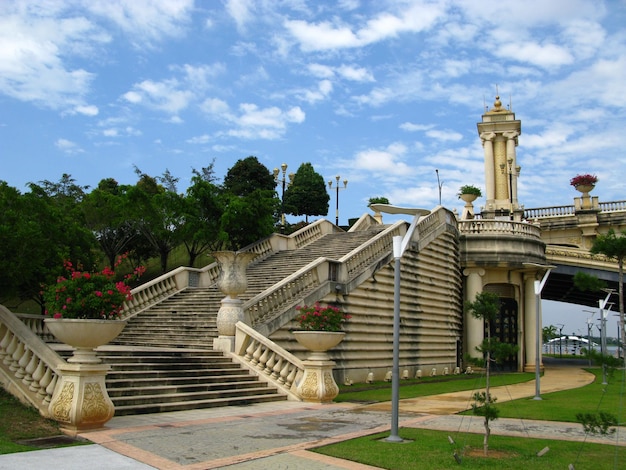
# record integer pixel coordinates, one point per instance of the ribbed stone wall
(431, 315)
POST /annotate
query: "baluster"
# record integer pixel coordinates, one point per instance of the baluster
(277, 367)
(4, 343)
(284, 373)
(270, 364)
(250, 350)
(38, 373)
(16, 356)
(8, 359)
(264, 357)
(45, 381)
(257, 354)
(28, 362)
(50, 389)
(292, 376)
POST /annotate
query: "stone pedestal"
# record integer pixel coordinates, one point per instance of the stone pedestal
(80, 401)
(318, 384)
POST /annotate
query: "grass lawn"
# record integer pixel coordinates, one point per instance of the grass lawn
(19, 422)
(428, 449)
(381, 391)
(563, 406)
(431, 450)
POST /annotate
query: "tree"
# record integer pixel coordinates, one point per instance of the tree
(106, 214)
(307, 195)
(157, 215)
(548, 332)
(486, 306)
(248, 175)
(250, 203)
(38, 230)
(613, 246)
(247, 219)
(202, 215)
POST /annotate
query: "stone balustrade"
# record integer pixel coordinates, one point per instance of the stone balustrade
(156, 290)
(28, 367)
(499, 227)
(354, 262)
(273, 364)
(558, 211)
(542, 212)
(615, 206)
(272, 302)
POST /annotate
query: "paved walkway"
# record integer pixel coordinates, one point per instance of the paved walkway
(277, 435)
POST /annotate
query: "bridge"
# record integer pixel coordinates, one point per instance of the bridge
(569, 232)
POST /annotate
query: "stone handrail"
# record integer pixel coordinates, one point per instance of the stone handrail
(614, 206)
(373, 250)
(28, 366)
(156, 290)
(273, 301)
(272, 363)
(313, 232)
(499, 227)
(555, 211)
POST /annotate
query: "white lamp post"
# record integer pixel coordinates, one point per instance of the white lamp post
(330, 186)
(399, 246)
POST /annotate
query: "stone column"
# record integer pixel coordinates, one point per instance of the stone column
(510, 153)
(487, 141)
(474, 330)
(530, 325)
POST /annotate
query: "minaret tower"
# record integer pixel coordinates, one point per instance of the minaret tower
(498, 133)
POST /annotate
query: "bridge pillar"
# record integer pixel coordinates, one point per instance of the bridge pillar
(530, 325)
(474, 330)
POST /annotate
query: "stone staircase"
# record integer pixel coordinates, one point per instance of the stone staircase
(163, 360)
(156, 381)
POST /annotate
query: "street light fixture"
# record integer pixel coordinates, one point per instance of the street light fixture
(330, 186)
(284, 182)
(400, 244)
(589, 323)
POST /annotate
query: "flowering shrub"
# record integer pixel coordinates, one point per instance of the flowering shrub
(583, 179)
(89, 295)
(318, 318)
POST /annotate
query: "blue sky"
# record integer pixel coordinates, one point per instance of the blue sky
(381, 93)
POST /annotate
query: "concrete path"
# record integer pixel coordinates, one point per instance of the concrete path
(277, 435)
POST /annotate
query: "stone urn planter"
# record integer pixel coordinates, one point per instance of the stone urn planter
(232, 281)
(84, 335)
(319, 342)
(318, 384)
(468, 198)
(80, 401)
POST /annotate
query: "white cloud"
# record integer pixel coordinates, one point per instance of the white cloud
(87, 110)
(323, 90)
(145, 21)
(542, 55)
(327, 35)
(410, 127)
(253, 122)
(447, 135)
(201, 139)
(239, 10)
(383, 161)
(68, 146)
(164, 96)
